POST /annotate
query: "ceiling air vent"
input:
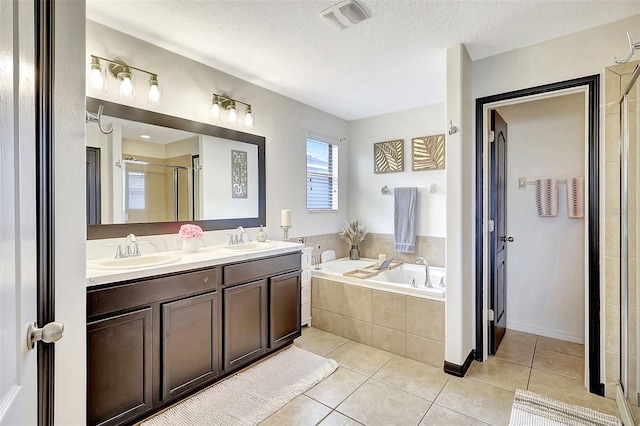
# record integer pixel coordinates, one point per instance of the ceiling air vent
(344, 14)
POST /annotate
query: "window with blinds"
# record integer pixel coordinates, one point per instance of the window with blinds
(136, 190)
(322, 176)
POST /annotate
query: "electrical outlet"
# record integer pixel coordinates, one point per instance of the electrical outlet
(301, 240)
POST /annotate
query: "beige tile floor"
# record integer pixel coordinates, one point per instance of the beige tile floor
(374, 387)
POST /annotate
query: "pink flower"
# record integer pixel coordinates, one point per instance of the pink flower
(190, 231)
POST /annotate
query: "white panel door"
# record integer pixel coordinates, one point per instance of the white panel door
(18, 369)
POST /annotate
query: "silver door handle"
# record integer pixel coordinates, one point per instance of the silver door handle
(50, 333)
(508, 239)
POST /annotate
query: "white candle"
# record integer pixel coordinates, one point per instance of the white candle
(285, 219)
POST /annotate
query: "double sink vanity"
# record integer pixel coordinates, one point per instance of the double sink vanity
(162, 326)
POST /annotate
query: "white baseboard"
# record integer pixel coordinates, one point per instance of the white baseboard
(554, 334)
(624, 411)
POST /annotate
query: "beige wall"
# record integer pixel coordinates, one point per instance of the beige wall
(431, 248)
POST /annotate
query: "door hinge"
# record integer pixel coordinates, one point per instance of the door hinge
(492, 225)
(492, 136)
(491, 315)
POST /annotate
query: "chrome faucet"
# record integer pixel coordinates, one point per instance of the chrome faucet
(427, 277)
(130, 248)
(238, 238)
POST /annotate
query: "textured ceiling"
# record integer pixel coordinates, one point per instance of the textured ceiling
(391, 62)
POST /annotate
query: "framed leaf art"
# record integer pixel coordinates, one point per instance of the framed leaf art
(428, 153)
(388, 156)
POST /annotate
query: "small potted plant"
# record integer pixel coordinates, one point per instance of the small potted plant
(191, 237)
(353, 233)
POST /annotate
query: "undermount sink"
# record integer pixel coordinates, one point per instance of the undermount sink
(253, 246)
(134, 262)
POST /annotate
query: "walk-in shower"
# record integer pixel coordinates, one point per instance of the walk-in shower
(629, 147)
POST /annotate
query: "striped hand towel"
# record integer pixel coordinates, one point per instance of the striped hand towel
(547, 197)
(575, 197)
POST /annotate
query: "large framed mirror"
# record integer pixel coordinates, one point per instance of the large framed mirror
(155, 172)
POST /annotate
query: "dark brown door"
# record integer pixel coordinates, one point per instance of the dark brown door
(284, 309)
(245, 323)
(498, 237)
(119, 367)
(191, 330)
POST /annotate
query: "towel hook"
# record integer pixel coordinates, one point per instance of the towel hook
(632, 47)
(93, 118)
(452, 129)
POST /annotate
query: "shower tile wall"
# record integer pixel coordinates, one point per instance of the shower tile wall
(616, 77)
(431, 248)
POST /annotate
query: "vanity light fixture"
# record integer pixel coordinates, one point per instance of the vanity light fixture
(124, 74)
(222, 104)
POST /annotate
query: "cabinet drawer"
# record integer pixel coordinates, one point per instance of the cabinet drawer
(306, 278)
(249, 271)
(306, 294)
(140, 293)
(306, 259)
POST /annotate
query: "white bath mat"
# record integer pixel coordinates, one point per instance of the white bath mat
(531, 409)
(253, 395)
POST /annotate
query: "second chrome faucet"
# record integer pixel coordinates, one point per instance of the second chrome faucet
(427, 277)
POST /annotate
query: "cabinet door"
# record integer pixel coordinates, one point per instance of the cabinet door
(284, 309)
(119, 367)
(190, 343)
(245, 323)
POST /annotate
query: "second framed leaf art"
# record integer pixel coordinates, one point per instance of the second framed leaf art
(428, 153)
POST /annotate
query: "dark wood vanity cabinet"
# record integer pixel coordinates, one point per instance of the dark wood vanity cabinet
(245, 323)
(153, 341)
(190, 343)
(257, 315)
(284, 309)
(150, 341)
(119, 367)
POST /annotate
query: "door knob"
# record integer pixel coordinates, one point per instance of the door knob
(508, 239)
(50, 333)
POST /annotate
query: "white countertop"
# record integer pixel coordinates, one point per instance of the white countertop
(206, 256)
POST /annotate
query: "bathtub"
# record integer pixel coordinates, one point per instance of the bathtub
(396, 280)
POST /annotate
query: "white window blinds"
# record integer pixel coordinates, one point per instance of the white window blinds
(322, 175)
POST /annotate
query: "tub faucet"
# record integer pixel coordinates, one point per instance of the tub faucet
(427, 278)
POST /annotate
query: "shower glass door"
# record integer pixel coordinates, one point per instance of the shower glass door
(630, 237)
(156, 192)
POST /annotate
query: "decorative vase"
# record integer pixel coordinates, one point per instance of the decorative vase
(192, 245)
(354, 253)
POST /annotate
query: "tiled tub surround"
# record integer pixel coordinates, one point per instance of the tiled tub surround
(431, 248)
(409, 326)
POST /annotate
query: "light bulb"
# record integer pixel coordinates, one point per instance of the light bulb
(233, 114)
(126, 84)
(126, 88)
(154, 91)
(248, 118)
(215, 109)
(97, 82)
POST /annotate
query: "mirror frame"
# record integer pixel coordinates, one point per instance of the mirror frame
(96, 232)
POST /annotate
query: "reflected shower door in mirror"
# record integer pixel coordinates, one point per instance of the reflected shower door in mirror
(154, 172)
